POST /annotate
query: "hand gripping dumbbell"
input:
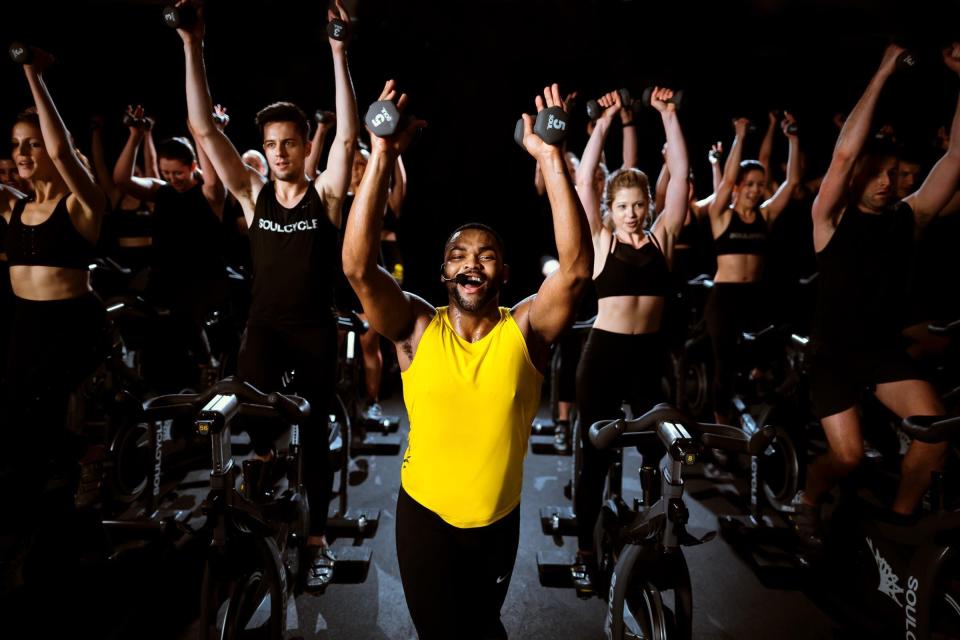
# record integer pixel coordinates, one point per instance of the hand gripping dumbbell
(21, 53)
(551, 126)
(676, 99)
(383, 118)
(594, 110)
(338, 29)
(906, 60)
(182, 17)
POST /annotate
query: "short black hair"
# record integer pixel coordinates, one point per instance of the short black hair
(28, 117)
(482, 227)
(284, 112)
(177, 148)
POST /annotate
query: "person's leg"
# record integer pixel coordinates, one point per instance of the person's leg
(914, 398)
(372, 370)
(722, 331)
(598, 397)
(486, 557)
(314, 355)
(261, 363)
(844, 453)
(427, 571)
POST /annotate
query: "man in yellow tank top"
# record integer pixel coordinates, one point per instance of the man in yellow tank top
(471, 384)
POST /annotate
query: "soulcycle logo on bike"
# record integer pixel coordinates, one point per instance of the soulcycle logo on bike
(890, 586)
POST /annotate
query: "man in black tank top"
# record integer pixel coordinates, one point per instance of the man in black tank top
(863, 246)
(293, 224)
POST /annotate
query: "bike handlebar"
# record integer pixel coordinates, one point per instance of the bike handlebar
(293, 409)
(613, 433)
(931, 429)
(944, 328)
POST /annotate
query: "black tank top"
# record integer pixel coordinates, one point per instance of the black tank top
(865, 273)
(132, 223)
(634, 272)
(741, 237)
(187, 242)
(295, 260)
(55, 242)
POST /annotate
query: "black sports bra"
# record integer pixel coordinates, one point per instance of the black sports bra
(55, 242)
(634, 272)
(742, 237)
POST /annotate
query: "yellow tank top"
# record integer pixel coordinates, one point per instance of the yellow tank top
(470, 406)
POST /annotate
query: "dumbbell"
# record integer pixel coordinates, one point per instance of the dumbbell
(182, 17)
(551, 126)
(21, 53)
(221, 119)
(383, 118)
(676, 99)
(906, 60)
(131, 121)
(337, 29)
(594, 110)
(322, 116)
(792, 128)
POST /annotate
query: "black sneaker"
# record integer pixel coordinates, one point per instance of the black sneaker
(581, 574)
(806, 524)
(319, 568)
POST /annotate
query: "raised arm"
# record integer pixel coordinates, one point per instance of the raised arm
(243, 182)
(713, 157)
(829, 202)
(391, 311)
(398, 187)
(629, 138)
(312, 165)
(940, 186)
(213, 188)
(766, 148)
(590, 160)
(151, 165)
(123, 178)
(87, 194)
(103, 173)
(725, 189)
(775, 205)
(670, 221)
(335, 180)
(544, 316)
(660, 189)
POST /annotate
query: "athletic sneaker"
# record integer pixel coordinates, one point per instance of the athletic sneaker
(561, 436)
(373, 412)
(806, 523)
(319, 565)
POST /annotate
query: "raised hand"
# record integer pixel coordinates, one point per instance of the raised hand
(400, 140)
(611, 104)
(716, 151)
(658, 100)
(740, 126)
(534, 145)
(789, 125)
(220, 117)
(338, 11)
(888, 63)
(191, 33)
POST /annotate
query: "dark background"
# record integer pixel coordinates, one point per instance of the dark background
(470, 68)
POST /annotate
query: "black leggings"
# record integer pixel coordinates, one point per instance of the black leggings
(732, 308)
(454, 580)
(614, 368)
(266, 353)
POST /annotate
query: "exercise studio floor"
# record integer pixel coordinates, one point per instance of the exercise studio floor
(729, 600)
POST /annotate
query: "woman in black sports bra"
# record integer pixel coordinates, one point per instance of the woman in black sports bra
(57, 326)
(632, 278)
(739, 221)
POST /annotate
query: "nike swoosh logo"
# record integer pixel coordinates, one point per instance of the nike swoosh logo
(502, 578)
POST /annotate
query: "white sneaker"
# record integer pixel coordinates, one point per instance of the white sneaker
(373, 412)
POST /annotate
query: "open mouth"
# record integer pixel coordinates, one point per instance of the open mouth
(470, 284)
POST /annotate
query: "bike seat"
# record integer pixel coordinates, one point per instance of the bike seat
(350, 321)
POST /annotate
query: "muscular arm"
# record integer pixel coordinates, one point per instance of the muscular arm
(213, 189)
(312, 165)
(335, 180)
(660, 190)
(243, 182)
(766, 148)
(104, 175)
(151, 168)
